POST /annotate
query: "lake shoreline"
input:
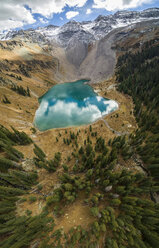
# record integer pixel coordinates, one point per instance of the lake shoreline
(83, 125)
(99, 102)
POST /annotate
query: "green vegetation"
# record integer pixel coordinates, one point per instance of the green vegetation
(14, 76)
(41, 161)
(17, 231)
(123, 214)
(138, 77)
(121, 207)
(32, 199)
(20, 90)
(119, 201)
(13, 137)
(5, 100)
(33, 129)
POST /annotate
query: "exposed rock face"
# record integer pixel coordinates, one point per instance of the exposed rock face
(77, 52)
(88, 49)
(77, 48)
(90, 31)
(97, 29)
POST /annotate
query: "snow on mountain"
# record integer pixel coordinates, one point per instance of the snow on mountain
(50, 32)
(4, 35)
(84, 32)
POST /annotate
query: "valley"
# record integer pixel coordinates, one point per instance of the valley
(81, 186)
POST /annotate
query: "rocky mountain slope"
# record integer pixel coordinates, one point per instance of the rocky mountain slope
(87, 186)
(85, 31)
(90, 31)
(26, 61)
(85, 49)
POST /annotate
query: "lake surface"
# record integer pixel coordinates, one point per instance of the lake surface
(71, 104)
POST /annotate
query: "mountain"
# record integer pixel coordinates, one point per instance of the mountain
(85, 31)
(81, 186)
(85, 49)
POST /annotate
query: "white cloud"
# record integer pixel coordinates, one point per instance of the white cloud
(48, 7)
(42, 20)
(71, 14)
(112, 5)
(89, 11)
(13, 13)
(62, 113)
(111, 106)
(77, 3)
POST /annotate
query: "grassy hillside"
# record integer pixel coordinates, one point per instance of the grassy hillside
(89, 186)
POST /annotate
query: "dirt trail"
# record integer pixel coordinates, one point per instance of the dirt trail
(114, 131)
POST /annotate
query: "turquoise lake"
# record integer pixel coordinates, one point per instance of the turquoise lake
(71, 104)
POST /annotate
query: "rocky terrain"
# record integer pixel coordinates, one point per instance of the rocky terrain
(85, 49)
(86, 32)
(84, 186)
(38, 59)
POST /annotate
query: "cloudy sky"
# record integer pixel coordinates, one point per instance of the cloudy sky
(33, 13)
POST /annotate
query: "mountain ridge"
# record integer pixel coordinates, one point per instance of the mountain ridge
(95, 30)
(86, 49)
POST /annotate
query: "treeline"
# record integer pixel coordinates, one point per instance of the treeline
(138, 76)
(16, 231)
(20, 90)
(13, 137)
(11, 156)
(123, 216)
(41, 161)
(14, 76)
(5, 100)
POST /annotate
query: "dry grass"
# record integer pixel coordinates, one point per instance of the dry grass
(77, 213)
(20, 114)
(74, 215)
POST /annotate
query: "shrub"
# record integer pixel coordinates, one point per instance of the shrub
(32, 199)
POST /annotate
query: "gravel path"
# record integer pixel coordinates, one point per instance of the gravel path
(114, 131)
